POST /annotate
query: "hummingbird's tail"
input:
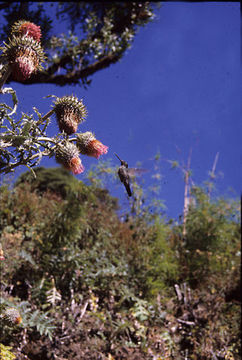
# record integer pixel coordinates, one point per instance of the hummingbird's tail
(127, 187)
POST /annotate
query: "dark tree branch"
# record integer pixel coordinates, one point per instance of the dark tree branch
(72, 77)
(4, 5)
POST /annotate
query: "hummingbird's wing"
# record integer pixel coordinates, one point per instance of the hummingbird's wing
(136, 172)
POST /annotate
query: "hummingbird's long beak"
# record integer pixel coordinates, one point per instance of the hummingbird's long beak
(118, 157)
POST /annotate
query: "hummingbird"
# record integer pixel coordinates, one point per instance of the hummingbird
(125, 174)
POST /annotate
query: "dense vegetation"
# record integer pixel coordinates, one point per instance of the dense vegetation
(88, 285)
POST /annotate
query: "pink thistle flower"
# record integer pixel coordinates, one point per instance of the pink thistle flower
(24, 56)
(69, 113)
(23, 67)
(90, 146)
(26, 28)
(76, 166)
(68, 156)
(96, 148)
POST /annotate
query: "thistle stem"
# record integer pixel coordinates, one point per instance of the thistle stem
(43, 138)
(46, 116)
(11, 166)
(5, 77)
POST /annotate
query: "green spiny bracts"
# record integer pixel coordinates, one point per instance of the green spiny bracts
(69, 113)
(24, 56)
(26, 28)
(67, 155)
(83, 139)
(88, 145)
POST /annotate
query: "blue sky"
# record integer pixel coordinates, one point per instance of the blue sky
(178, 87)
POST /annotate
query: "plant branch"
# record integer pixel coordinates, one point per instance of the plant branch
(186, 196)
(46, 116)
(25, 162)
(5, 77)
(73, 77)
(212, 174)
(4, 5)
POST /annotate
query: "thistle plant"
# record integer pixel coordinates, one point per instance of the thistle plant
(89, 145)
(23, 54)
(26, 28)
(68, 155)
(69, 113)
(24, 140)
(11, 316)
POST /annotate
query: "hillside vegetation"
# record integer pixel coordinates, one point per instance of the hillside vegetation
(88, 285)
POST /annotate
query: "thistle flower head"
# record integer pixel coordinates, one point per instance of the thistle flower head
(12, 316)
(24, 56)
(67, 155)
(26, 28)
(69, 113)
(88, 145)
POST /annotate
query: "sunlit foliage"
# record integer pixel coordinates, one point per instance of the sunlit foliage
(90, 286)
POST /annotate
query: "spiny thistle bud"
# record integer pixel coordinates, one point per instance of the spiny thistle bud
(69, 113)
(88, 145)
(12, 316)
(24, 56)
(68, 155)
(26, 28)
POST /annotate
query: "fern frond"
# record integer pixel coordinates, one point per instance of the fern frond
(53, 296)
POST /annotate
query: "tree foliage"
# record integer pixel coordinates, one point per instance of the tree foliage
(99, 33)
